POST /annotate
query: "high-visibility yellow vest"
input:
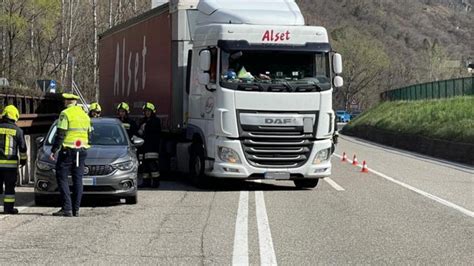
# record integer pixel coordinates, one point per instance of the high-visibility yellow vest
(77, 125)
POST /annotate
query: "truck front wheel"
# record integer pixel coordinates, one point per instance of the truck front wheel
(196, 165)
(306, 183)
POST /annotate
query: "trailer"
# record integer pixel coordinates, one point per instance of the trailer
(243, 88)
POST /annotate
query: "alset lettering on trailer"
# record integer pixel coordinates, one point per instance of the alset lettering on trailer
(275, 36)
(120, 88)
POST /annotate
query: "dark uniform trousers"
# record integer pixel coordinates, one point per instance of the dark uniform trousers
(8, 176)
(66, 165)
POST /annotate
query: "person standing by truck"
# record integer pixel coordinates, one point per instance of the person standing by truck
(12, 141)
(150, 130)
(72, 142)
(123, 111)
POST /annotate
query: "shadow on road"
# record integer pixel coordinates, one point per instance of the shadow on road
(223, 185)
(25, 198)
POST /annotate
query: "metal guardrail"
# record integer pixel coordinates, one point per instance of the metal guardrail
(432, 90)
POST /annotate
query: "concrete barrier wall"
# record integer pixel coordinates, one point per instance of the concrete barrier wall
(453, 151)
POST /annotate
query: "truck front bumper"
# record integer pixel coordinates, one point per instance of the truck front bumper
(244, 170)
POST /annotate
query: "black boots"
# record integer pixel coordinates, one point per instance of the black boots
(155, 183)
(61, 212)
(9, 209)
(150, 182)
(146, 182)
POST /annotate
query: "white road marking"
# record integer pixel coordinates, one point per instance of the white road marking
(241, 249)
(333, 184)
(419, 191)
(267, 252)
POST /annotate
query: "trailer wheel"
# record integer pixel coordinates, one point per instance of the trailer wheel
(196, 165)
(306, 183)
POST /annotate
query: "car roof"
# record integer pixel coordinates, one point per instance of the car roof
(101, 120)
(106, 120)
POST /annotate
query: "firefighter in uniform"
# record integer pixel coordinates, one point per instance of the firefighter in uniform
(94, 110)
(72, 142)
(150, 130)
(122, 111)
(12, 141)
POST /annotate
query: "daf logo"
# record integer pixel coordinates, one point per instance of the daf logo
(278, 121)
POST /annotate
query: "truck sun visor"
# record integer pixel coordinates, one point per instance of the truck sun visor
(245, 45)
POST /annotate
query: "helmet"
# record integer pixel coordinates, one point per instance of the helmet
(70, 96)
(124, 106)
(149, 106)
(11, 113)
(95, 107)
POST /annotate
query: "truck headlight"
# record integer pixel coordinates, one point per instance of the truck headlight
(44, 166)
(228, 155)
(321, 156)
(123, 166)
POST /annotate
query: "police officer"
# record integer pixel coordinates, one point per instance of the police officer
(150, 130)
(12, 141)
(94, 110)
(122, 111)
(72, 142)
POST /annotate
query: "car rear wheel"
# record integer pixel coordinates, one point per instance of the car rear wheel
(306, 183)
(131, 200)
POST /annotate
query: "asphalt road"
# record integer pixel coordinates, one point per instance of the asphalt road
(408, 210)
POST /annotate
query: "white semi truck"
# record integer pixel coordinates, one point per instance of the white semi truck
(244, 88)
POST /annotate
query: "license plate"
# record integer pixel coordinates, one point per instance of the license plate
(277, 175)
(90, 181)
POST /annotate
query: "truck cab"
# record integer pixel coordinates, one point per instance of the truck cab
(260, 93)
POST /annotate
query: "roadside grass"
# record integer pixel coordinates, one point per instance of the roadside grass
(447, 119)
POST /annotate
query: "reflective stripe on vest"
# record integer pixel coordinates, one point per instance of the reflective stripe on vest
(8, 163)
(9, 199)
(9, 134)
(77, 125)
(151, 155)
(7, 145)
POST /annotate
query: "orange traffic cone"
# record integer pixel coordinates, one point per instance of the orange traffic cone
(364, 168)
(344, 157)
(354, 160)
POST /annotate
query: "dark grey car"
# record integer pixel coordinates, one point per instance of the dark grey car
(111, 164)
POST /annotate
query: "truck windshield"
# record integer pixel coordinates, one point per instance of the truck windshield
(275, 71)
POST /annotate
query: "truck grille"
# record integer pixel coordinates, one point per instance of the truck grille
(98, 170)
(276, 147)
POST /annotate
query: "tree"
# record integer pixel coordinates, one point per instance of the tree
(364, 61)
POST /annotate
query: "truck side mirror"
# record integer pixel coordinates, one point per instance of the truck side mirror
(203, 78)
(337, 63)
(338, 81)
(205, 60)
